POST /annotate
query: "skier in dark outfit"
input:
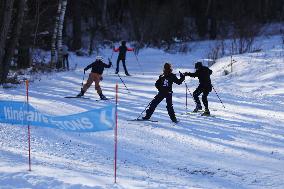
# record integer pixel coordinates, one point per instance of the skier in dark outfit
(95, 76)
(121, 56)
(203, 73)
(164, 86)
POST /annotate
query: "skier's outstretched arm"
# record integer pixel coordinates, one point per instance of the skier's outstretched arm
(109, 64)
(88, 67)
(115, 49)
(180, 80)
(130, 49)
(195, 74)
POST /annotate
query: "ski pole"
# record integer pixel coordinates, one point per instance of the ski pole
(123, 82)
(187, 87)
(121, 79)
(138, 63)
(188, 90)
(218, 96)
(185, 97)
(111, 54)
(143, 110)
(112, 46)
(83, 79)
(110, 57)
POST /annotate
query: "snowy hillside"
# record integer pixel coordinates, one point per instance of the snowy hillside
(242, 146)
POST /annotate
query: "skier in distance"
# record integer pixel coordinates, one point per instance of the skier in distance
(122, 56)
(95, 76)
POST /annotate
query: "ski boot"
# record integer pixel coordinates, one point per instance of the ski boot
(145, 118)
(197, 108)
(127, 74)
(206, 112)
(81, 93)
(103, 97)
(175, 121)
(116, 72)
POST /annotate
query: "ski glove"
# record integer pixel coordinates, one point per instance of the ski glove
(109, 62)
(186, 73)
(181, 75)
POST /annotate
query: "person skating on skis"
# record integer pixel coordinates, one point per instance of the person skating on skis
(203, 74)
(164, 86)
(95, 76)
(122, 56)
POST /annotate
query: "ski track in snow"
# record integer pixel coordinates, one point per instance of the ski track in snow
(241, 147)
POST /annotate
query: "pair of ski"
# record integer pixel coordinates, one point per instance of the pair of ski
(201, 113)
(82, 97)
(190, 113)
(140, 119)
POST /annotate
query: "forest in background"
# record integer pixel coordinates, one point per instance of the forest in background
(84, 26)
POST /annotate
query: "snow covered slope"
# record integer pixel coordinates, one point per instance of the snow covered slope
(241, 147)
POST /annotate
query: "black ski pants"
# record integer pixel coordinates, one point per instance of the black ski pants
(123, 63)
(157, 99)
(205, 91)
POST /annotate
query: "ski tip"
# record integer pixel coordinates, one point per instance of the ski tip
(71, 97)
(105, 99)
(76, 97)
(142, 120)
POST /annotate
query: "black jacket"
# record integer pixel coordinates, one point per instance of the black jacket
(98, 67)
(165, 82)
(122, 52)
(203, 74)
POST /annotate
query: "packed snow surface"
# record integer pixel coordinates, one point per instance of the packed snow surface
(242, 146)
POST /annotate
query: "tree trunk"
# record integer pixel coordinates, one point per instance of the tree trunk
(7, 16)
(24, 54)
(76, 23)
(267, 8)
(59, 34)
(213, 21)
(2, 5)
(11, 45)
(209, 6)
(25, 43)
(104, 11)
(54, 35)
(201, 19)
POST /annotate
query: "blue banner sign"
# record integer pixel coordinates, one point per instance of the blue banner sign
(21, 113)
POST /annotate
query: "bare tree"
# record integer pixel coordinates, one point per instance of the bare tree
(59, 33)
(76, 24)
(12, 42)
(54, 35)
(4, 29)
(104, 12)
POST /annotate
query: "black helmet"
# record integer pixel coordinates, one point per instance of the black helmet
(123, 42)
(198, 65)
(167, 68)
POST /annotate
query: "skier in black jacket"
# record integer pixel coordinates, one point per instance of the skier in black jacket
(122, 56)
(95, 76)
(164, 86)
(203, 73)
